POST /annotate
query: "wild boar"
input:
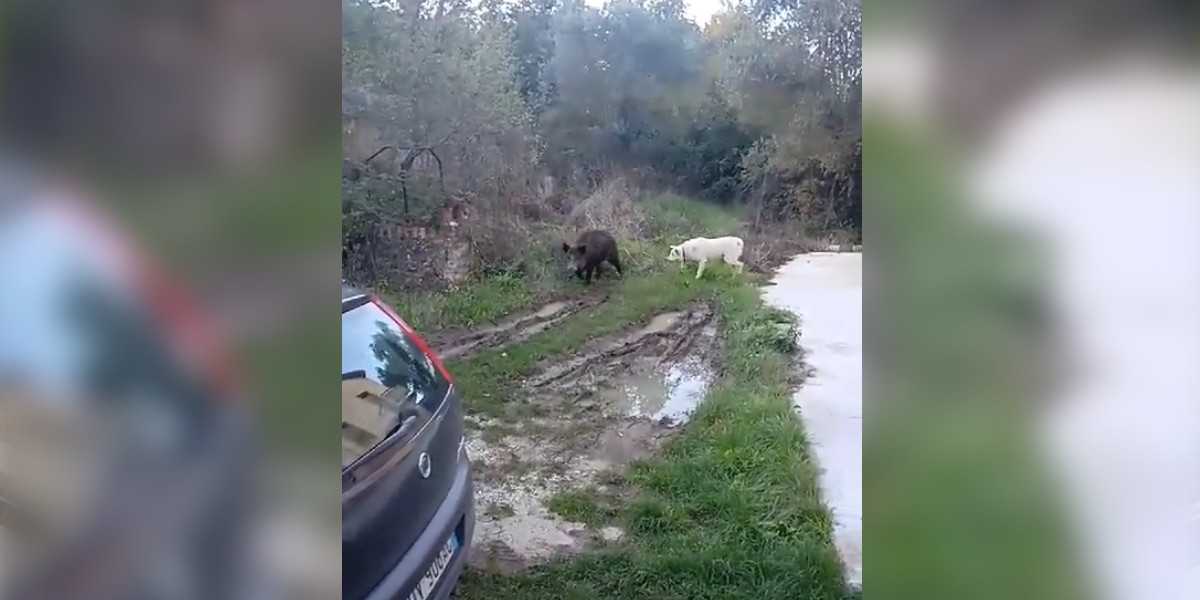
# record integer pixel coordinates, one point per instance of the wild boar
(591, 249)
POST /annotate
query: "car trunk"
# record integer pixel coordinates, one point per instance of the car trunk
(399, 414)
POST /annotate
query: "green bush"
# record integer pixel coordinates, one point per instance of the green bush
(675, 218)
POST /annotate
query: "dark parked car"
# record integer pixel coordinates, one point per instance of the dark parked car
(407, 505)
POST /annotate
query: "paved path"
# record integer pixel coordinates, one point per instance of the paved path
(825, 290)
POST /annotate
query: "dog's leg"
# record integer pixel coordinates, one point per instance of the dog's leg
(733, 261)
(700, 270)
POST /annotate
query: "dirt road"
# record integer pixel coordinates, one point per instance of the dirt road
(575, 423)
(825, 291)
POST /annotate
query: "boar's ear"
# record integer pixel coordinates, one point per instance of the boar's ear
(566, 247)
(581, 249)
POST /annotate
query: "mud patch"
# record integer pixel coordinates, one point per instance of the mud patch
(666, 394)
(578, 421)
(664, 337)
(512, 330)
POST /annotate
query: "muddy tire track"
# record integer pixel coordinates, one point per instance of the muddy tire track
(577, 419)
(513, 330)
(677, 327)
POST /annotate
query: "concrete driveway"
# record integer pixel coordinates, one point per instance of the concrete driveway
(825, 291)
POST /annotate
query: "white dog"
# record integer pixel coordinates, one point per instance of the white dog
(702, 250)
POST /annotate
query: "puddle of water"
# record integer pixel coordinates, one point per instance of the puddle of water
(550, 310)
(661, 323)
(671, 392)
(686, 384)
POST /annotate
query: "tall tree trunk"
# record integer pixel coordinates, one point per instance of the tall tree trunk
(830, 211)
(762, 193)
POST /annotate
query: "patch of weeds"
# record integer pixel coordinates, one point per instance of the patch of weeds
(775, 329)
(580, 432)
(480, 301)
(494, 433)
(612, 478)
(512, 468)
(525, 411)
(292, 417)
(495, 297)
(645, 256)
(498, 510)
(675, 216)
(651, 514)
(588, 506)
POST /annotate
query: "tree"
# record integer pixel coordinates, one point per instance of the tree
(761, 107)
(791, 70)
(436, 83)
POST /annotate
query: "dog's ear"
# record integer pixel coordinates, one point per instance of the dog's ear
(566, 247)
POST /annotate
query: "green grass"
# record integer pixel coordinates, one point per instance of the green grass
(488, 298)
(478, 302)
(282, 370)
(730, 510)
(589, 506)
(281, 211)
(486, 378)
(675, 217)
(541, 272)
(963, 509)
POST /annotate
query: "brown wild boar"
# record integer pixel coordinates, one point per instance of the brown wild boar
(591, 249)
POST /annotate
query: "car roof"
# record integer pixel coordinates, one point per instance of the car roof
(352, 297)
(349, 291)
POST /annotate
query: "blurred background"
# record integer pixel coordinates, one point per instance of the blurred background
(169, 230)
(168, 222)
(1031, 204)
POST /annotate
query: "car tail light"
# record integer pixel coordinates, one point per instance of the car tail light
(418, 341)
(189, 327)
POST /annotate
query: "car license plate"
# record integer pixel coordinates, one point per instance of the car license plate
(431, 577)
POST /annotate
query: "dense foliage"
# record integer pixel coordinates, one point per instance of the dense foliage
(512, 103)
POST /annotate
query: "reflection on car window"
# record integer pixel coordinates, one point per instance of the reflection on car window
(388, 385)
(77, 334)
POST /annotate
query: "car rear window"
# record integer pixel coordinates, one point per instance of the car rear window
(389, 387)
